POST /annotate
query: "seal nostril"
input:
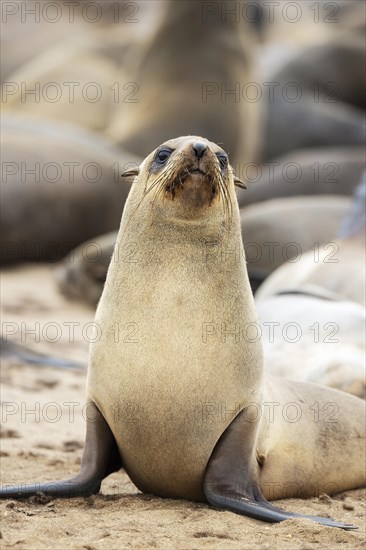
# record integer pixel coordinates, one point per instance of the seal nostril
(199, 149)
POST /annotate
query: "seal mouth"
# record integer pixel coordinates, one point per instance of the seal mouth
(181, 178)
(198, 171)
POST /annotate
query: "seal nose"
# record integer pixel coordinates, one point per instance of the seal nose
(199, 149)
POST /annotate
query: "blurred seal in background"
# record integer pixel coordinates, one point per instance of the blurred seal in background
(192, 77)
(61, 186)
(321, 299)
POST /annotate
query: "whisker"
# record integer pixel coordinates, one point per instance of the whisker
(176, 179)
(160, 179)
(226, 199)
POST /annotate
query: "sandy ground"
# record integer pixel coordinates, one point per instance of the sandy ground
(42, 438)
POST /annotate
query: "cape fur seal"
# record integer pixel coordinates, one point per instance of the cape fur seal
(60, 186)
(42, 25)
(338, 267)
(36, 32)
(322, 171)
(73, 81)
(320, 85)
(202, 61)
(314, 336)
(322, 297)
(170, 399)
(283, 229)
(82, 276)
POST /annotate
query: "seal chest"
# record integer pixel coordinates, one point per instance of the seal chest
(171, 368)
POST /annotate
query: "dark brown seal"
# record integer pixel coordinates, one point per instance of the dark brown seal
(192, 78)
(60, 186)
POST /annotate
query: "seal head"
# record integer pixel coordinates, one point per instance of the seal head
(191, 173)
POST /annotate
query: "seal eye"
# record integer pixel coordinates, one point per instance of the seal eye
(163, 155)
(223, 160)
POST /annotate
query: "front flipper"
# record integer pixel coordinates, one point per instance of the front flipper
(257, 507)
(231, 481)
(100, 458)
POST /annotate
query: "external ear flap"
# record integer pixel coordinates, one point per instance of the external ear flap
(239, 183)
(134, 171)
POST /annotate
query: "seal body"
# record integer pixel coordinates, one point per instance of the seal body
(303, 427)
(329, 268)
(171, 376)
(322, 296)
(83, 278)
(283, 229)
(325, 269)
(203, 62)
(340, 170)
(315, 338)
(60, 187)
(175, 368)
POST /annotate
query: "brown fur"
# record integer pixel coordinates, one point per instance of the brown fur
(167, 392)
(170, 356)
